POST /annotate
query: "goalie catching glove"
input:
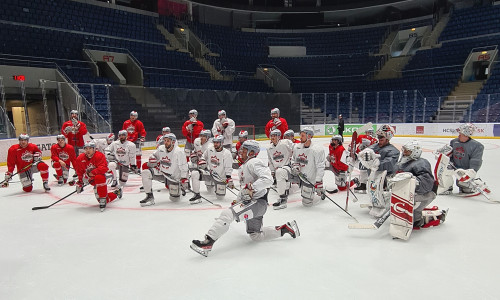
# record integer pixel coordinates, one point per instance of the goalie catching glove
(369, 159)
(445, 150)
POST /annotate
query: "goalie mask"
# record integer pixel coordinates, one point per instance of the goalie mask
(386, 131)
(467, 129)
(410, 151)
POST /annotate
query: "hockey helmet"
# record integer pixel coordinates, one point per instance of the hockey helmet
(110, 137)
(308, 131)
(134, 113)
(218, 139)
(338, 138)
(90, 144)
(275, 111)
(369, 131)
(74, 111)
(24, 136)
(243, 134)
(206, 133)
(415, 149)
(275, 132)
(60, 137)
(165, 130)
(251, 145)
(386, 131)
(289, 134)
(170, 136)
(467, 129)
(194, 112)
(221, 112)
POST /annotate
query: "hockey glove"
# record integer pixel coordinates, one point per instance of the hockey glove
(319, 188)
(142, 139)
(193, 120)
(202, 164)
(8, 176)
(230, 183)
(296, 169)
(194, 158)
(465, 175)
(445, 150)
(225, 124)
(189, 127)
(79, 186)
(37, 157)
(246, 193)
(277, 122)
(184, 183)
(330, 158)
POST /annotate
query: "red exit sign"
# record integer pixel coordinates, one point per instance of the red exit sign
(19, 77)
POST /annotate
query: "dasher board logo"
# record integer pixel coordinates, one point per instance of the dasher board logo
(419, 129)
(348, 129)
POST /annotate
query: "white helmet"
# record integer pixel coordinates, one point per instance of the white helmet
(308, 131)
(275, 111)
(90, 144)
(467, 129)
(60, 137)
(24, 136)
(194, 112)
(122, 132)
(218, 139)
(275, 132)
(134, 113)
(289, 133)
(243, 134)
(221, 112)
(206, 133)
(415, 148)
(74, 111)
(111, 137)
(165, 129)
(338, 138)
(170, 136)
(386, 131)
(251, 145)
(369, 131)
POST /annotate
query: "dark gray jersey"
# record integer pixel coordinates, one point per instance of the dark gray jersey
(420, 168)
(468, 155)
(389, 156)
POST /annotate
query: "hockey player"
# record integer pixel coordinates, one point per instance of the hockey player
(250, 206)
(200, 145)
(172, 166)
(380, 159)
(289, 134)
(337, 157)
(364, 141)
(224, 126)
(91, 167)
(27, 158)
(121, 159)
(412, 165)
(279, 154)
(242, 137)
(74, 130)
(159, 138)
(276, 122)
(63, 156)
(191, 130)
(466, 156)
(102, 144)
(136, 134)
(309, 160)
(217, 161)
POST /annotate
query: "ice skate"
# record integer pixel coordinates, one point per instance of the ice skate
(114, 183)
(280, 204)
(60, 181)
(203, 247)
(118, 193)
(46, 186)
(102, 203)
(149, 200)
(195, 199)
(291, 228)
(361, 188)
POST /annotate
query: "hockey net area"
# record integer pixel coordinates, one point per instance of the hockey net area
(248, 128)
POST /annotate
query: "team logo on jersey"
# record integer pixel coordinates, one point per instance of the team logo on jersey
(214, 161)
(278, 156)
(302, 159)
(131, 129)
(27, 156)
(63, 155)
(166, 162)
(120, 151)
(90, 167)
(459, 153)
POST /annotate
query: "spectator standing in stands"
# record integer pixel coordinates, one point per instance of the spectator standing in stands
(340, 127)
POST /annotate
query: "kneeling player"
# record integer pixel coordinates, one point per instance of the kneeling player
(242, 137)
(173, 167)
(121, 158)
(28, 160)
(251, 205)
(63, 156)
(200, 145)
(91, 167)
(337, 157)
(279, 154)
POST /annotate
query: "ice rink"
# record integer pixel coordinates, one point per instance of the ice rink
(74, 251)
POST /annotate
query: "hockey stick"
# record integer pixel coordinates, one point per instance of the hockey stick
(20, 171)
(375, 225)
(323, 195)
(218, 205)
(44, 207)
(175, 181)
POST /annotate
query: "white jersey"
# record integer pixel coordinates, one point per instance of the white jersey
(199, 149)
(311, 160)
(100, 145)
(256, 172)
(280, 155)
(124, 153)
(219, 162)
(218, 129)
(172, 164)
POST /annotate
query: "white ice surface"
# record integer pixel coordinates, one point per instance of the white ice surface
(73, 251)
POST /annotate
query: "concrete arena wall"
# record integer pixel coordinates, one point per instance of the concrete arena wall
(437, 130)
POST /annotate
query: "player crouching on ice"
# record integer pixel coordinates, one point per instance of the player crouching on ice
(91, 167)
(338, 164)
(413, 188)
(63, 156)
(167, 164)
(465, 155)
(121, 157)
(279, 154)
(250, 206)
(28, 160)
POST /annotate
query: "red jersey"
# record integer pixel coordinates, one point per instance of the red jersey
(96, 165)
(365, 137)
(197, 128)
(296, 141)
(134, 129)
(66, 154)
(21, 157)
(74, 133)
(337, 156)
(283, 126)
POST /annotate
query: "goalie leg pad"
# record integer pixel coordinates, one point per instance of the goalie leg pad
(282, 178)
